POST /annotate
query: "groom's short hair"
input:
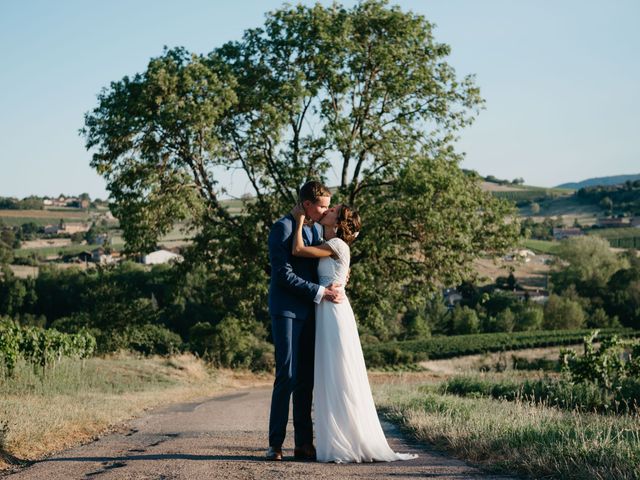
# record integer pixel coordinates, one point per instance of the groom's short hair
(313, 190)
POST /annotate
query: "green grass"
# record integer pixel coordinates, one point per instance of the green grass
(40, 221)
(517, 437)
(46, 251)
(541, 246)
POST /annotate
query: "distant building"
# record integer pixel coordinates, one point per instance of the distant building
(635, 222)
(66, 228)
(71, 228)
(451, 297)
(562, 233)
(539, 296)
(613, 222)
(98, 255)
(161, 256)
(101, 239)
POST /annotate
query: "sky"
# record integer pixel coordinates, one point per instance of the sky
(561, 80)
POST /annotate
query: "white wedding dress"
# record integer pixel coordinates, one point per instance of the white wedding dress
(346, 422)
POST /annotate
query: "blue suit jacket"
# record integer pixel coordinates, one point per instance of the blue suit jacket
(294, 280)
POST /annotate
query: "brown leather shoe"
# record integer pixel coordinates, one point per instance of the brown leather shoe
(305, 452)
(274, 453)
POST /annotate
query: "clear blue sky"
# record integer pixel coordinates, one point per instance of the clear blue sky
(561, 80)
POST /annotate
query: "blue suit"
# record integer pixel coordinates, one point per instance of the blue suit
(293, 287)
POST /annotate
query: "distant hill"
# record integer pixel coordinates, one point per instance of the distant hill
(591, 182)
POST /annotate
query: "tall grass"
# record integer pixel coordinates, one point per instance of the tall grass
(518, 437)
(74, 402)
(585, 396)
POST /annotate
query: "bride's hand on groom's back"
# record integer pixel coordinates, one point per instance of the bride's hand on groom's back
(333, 293)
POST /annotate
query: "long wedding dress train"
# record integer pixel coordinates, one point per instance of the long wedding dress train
(345, 418)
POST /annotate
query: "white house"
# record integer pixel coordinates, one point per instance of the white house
(161, 256)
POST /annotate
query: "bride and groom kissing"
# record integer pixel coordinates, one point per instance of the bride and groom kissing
(318, 354)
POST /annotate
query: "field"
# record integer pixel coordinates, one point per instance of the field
(48, 252)
(392, 354)
(531, 275)
(515, 437)
(514, 412)
(43, 217)
(522, 194)
(541, 246)
(620, 237)
(75, 402)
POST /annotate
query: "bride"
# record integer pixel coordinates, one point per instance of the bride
(346, 422)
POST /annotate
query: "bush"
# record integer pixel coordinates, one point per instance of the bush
(465, 320)
(148, 339)
(529, 318)
(233, 344)
(505, 321)
(40, 347)
(561, 313)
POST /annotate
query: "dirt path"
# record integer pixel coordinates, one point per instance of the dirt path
(223, 437)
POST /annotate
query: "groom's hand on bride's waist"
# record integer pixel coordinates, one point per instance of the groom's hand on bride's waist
(334, 293)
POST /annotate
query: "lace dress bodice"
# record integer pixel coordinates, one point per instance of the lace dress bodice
(335, 269)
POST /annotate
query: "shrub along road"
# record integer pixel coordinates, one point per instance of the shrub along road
(223, 437)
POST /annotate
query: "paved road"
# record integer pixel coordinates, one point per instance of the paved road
(223, 437)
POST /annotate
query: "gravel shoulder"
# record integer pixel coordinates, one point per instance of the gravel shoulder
(224, 437)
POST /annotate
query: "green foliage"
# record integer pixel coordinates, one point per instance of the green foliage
(561, 313)
(148, 339)
(619, 237)
(465, 321)
(603, 379)
(28, 203)
(16, 295)
(40, 347)
(411, 351)
(505, 321)
(600, 319)
(233, 343)
(6, 253)
(622, 298)
(585, 397)
(586, 262)
(530, 318)
(527, 196)
(605, 365)
(538, 230)
(620, 198)
(384, 106)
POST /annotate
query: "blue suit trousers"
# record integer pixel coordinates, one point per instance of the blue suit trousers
(294, 341)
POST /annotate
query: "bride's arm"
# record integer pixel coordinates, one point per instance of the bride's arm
(298, 248)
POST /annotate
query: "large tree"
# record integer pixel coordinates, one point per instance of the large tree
(364, 92)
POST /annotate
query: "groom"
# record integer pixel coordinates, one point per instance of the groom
(293, 290)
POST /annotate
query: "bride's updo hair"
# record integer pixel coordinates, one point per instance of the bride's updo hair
(348, 224)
